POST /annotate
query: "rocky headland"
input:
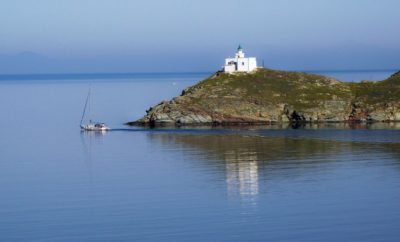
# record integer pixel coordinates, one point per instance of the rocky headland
(270, 96)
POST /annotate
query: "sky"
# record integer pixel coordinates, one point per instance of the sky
(83, 36)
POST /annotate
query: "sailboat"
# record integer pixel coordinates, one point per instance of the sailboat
(91, 126)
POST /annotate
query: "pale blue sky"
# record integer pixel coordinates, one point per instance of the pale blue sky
(177, 35)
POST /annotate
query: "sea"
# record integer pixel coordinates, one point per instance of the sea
(332, 182)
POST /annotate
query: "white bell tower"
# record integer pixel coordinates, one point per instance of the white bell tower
(239, 52)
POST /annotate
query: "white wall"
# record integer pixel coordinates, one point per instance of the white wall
(230, 68)
(243, 64)
(252, 64)
(229, 60)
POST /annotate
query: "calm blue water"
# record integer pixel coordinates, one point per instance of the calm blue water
(356, 76)
(271, 183)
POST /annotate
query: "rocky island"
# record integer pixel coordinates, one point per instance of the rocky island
(267, 96)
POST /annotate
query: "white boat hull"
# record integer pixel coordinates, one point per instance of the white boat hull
(95, 127)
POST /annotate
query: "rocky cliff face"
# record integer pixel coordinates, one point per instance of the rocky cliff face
(269, 96)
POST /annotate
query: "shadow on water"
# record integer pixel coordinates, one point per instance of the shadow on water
(296, 125)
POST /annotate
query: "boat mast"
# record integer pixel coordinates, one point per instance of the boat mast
(84, 109)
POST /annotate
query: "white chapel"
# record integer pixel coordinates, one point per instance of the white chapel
(240, 63)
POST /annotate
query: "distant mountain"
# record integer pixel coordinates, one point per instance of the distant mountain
(23, 56)
(29, 55)
(24, 62)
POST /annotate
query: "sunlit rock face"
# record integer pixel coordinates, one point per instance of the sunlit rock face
(270, 96)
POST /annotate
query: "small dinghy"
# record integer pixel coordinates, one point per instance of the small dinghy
(91, 126)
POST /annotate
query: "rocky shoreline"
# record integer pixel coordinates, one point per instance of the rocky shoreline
(273, 97)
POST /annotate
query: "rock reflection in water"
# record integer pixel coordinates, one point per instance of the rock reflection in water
(249, 162)
(246, 160)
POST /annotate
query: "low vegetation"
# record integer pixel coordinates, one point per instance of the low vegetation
(267, 96)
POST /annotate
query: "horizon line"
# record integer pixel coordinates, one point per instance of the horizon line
(122, 75)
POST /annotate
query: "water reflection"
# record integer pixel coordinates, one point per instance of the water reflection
(97, 133)
(91, 140)
(242, 174)
(344, 125)
(250, 162)
(283, 126)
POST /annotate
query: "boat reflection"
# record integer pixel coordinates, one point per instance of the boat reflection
(91, 141)
(92, 133)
